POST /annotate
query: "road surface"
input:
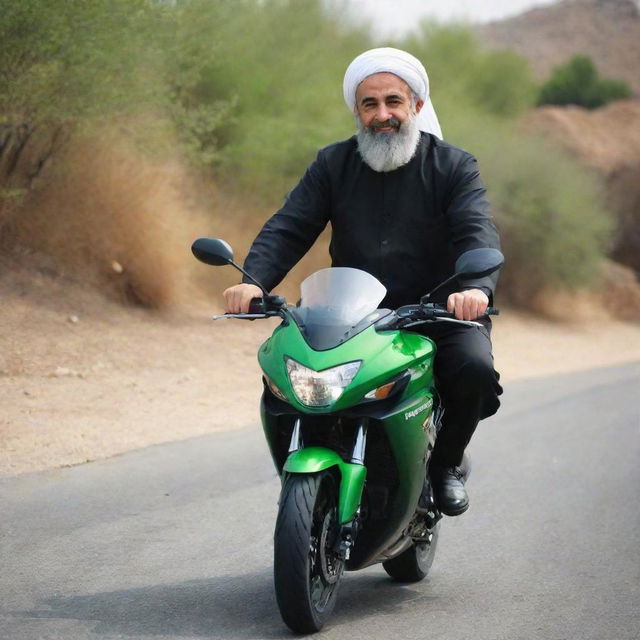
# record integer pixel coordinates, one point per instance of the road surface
(175, 541)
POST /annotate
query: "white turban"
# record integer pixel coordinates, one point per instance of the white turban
(401, 64)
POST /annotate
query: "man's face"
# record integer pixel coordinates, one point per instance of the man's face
(386, 119)
(384, 102)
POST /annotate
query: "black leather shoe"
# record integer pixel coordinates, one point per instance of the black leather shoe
(448, 487)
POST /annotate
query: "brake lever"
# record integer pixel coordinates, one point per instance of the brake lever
(241, 316)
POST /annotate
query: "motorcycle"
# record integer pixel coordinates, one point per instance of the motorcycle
(351, 413)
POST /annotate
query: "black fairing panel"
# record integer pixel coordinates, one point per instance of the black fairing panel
(324, 337)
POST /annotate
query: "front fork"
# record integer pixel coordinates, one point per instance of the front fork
(352, 478)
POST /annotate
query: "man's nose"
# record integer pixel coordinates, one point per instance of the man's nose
(383, 113)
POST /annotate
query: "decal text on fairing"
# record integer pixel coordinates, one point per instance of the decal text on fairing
(412, 414)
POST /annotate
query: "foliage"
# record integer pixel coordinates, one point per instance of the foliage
(577, 82)
(462, 73)
(250, 86)
(248, 90)
(554, 226)
(270, 60)
(67, 59)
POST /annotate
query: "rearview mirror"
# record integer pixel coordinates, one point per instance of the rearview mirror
(218, 253)
(478, 263)
(212, 251)
(475, 263)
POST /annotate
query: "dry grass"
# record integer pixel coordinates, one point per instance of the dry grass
(617, 297)
(106, 215)
(103, 214)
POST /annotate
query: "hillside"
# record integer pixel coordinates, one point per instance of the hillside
(606, 30)
(608, 141)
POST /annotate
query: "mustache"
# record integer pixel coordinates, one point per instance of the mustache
(391, 122)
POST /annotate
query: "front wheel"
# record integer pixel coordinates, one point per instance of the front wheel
(307, 571)
(413, 564)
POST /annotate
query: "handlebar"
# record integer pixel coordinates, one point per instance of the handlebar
(266, 307)
(434, 310)
(411, 314)
(416, 314)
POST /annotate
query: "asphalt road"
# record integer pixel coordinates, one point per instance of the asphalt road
(175, 541)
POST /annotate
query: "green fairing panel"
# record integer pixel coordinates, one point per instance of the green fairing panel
(383, 356)
(312, 460)
(408, 430)
(315, 459)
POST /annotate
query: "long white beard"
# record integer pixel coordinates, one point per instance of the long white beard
(388, 151)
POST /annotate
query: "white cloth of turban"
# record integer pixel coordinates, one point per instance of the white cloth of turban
(401, 64)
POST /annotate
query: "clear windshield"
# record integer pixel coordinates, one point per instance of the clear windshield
(334, 301)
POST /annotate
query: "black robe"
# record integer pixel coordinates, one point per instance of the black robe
(405, 227)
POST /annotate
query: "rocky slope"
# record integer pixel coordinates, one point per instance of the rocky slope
(606, 30)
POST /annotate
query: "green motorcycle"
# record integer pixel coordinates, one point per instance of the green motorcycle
(351, 414)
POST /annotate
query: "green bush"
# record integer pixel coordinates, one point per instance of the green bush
(554, 226)
(281, 63)
(577, 82)
(464, 76)
(62, 60)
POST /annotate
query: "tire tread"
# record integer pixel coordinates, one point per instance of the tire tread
(291, 544)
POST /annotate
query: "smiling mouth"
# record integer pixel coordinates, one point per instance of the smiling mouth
(390, 126)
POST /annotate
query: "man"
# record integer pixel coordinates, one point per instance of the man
(403, 205)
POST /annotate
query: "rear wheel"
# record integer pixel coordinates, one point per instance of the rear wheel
(413, 564)
(307, 571)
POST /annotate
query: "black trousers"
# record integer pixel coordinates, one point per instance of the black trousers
(467, 383)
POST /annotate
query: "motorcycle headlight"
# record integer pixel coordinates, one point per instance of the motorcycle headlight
(320, 388)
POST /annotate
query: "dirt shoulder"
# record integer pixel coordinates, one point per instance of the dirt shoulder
(84, 379)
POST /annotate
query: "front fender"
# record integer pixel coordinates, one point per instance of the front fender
(352, 476)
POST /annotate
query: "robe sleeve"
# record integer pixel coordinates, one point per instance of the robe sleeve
(469, 220)
(293, 229)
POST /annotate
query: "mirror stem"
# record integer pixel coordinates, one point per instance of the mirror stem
(426, 297)
(239, 268)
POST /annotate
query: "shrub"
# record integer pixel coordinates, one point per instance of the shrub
(577, 82)
(554, 225)
(271, 59)
(66, 59)
(463, 75)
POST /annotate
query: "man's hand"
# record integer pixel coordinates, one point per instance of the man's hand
(468, 305)
(238, 297)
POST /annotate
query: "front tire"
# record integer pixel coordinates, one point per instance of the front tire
(307, 572)
(413, 564)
